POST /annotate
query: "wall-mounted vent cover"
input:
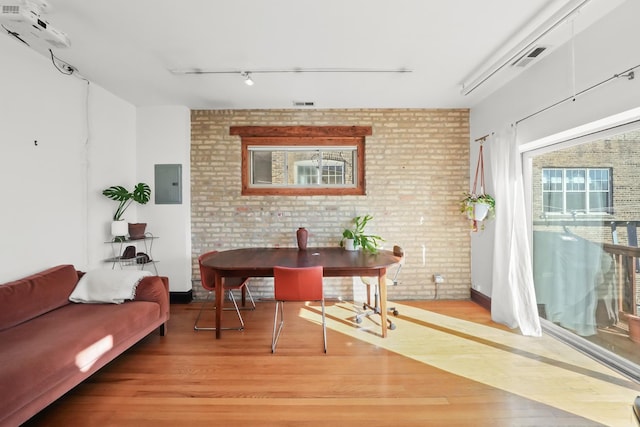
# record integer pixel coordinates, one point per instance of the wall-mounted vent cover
(303, 103)
(532, 54)
(11, 9)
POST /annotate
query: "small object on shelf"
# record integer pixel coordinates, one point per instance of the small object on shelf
(119, 228)
(142, 258)
(136, 230)
(129, 252)
(133, 254)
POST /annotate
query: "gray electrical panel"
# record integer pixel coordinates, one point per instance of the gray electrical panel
(168, 188)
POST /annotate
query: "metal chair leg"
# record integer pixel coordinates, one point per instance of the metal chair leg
(370, 310)
(204, 303)
(324, 327)
(233, 300)
(248, 292)
(275, 336)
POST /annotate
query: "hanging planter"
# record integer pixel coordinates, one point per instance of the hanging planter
(478, 207)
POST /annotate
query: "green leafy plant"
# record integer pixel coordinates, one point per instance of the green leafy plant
(140, 194)
(466, 204)
(368, 242)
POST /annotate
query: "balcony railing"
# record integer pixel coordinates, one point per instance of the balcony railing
(626, 260)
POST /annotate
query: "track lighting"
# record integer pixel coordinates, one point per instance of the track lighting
(247, 78)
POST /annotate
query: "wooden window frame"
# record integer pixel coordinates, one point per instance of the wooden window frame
(302, 136)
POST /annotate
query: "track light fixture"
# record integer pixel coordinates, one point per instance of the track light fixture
(247, 78)
(247, 74)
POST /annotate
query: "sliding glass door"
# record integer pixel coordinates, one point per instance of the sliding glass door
(585, 210)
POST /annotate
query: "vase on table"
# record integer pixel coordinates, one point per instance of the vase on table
(302, 235)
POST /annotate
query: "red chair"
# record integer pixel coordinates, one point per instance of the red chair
(296, 284)
(230, 284)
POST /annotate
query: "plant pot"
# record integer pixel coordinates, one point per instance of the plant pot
(119, 228)
(136, 230)
(480, 211)
(349, 245)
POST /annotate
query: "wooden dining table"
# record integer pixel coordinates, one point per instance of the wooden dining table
(336, 262)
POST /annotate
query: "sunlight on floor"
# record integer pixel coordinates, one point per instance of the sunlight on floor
(540, 369)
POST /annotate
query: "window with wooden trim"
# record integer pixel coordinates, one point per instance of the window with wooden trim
(302, 160)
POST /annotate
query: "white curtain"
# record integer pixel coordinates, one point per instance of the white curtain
(513, 298)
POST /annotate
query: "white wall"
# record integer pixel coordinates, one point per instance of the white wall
(607, 48)
(52, 211)
(164, 137)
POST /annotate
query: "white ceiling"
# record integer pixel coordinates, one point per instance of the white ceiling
(130, 47)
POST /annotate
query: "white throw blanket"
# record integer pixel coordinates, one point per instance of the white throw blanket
(107, 286)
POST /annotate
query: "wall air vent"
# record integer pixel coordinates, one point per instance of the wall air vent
(303, 103)
(532, 54)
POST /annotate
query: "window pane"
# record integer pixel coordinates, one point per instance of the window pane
(553, 202)
(575, 180)
(576, 202)
(599, 180)
(306, 174)
(262, 167)
(552, 179)
(300, 167)
(598, 202)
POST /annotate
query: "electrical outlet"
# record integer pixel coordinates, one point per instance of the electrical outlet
(438, 278)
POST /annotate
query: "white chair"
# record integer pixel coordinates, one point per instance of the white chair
(370, 310)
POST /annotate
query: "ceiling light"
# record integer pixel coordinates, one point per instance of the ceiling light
(247, 78)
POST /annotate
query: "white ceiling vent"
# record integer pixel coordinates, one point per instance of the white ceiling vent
(531, 55)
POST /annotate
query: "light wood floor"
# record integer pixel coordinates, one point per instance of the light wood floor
(446, 364)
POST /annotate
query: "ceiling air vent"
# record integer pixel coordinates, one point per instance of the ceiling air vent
(303, 103)
(525, 59)
(11, 9)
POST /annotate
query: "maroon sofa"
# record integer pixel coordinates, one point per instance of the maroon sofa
(48, 345)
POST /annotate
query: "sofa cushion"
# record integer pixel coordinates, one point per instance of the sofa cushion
(65, 343)
(34, 295)
(107, 286)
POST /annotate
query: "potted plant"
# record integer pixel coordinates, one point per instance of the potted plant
(478, 207)
(141, 194)
(354, 238)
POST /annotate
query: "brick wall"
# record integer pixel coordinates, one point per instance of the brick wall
(417, 167)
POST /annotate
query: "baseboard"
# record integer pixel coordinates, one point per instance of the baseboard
(481, 299)
(181, 297)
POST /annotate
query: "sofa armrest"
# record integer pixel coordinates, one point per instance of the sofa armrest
(155, 289)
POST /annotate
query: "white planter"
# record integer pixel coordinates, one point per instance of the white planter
(119, 228)
(349, 245)
(480, 211)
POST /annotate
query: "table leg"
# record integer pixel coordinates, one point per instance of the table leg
(382, 287)
(219, 303)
